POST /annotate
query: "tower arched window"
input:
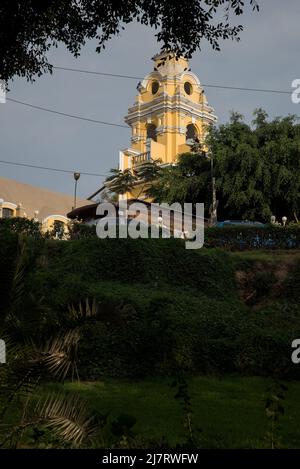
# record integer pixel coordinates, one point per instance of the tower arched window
(191, 133)
(154, 87)
(151, 132)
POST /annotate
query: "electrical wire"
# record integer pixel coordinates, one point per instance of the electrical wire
(69, 171)
(95, 121)
(73, 116)
(207, 85)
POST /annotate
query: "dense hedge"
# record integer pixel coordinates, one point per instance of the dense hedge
(20, 225)
(160, 308)
(244, 238)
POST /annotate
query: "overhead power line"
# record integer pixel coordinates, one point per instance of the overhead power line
(91, 72)
(207, 85)
(255, 90)
(113, 124)
(69, 171)
(40, 108)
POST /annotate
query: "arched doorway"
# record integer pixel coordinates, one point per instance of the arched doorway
(7, 212)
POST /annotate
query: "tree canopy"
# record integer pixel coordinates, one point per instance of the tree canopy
(257, 171)
(188, 181)
(29, 29)
(258, 167)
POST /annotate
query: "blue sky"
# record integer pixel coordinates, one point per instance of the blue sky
(266, 57)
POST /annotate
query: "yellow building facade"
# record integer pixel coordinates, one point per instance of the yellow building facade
(169, 115)
(46, 207)
(12, 210)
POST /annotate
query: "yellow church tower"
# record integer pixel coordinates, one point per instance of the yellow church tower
(169, 115)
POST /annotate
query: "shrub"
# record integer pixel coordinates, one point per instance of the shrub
(20, 225)
(161, 308)
(244, 237)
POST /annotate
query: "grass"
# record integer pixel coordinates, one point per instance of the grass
(279, 255)
(200, 295)
(229, 411)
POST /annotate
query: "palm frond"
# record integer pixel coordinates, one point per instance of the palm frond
(67, 417)
(121, 181)
(17, 289)
(18, 379)
(148, 171)
(59, 355)
(84, 311)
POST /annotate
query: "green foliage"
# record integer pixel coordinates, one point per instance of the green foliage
(79, 230)
(291, 287)
(68, 417)
(183, 397)
(120, 182)
(241, 238)
(28, 364)
(20, 225)
(229, 410)
(188, 181)
(144, 414)
(28, 31)
(58, 230)
(122, 426)
(257, 171)
(263, 282)
(274, 410)
(257, 168)
(154, 308)
(147, 171)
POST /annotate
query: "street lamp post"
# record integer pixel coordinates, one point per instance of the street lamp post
(213, 209)
(76, 177)
(213, 215)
